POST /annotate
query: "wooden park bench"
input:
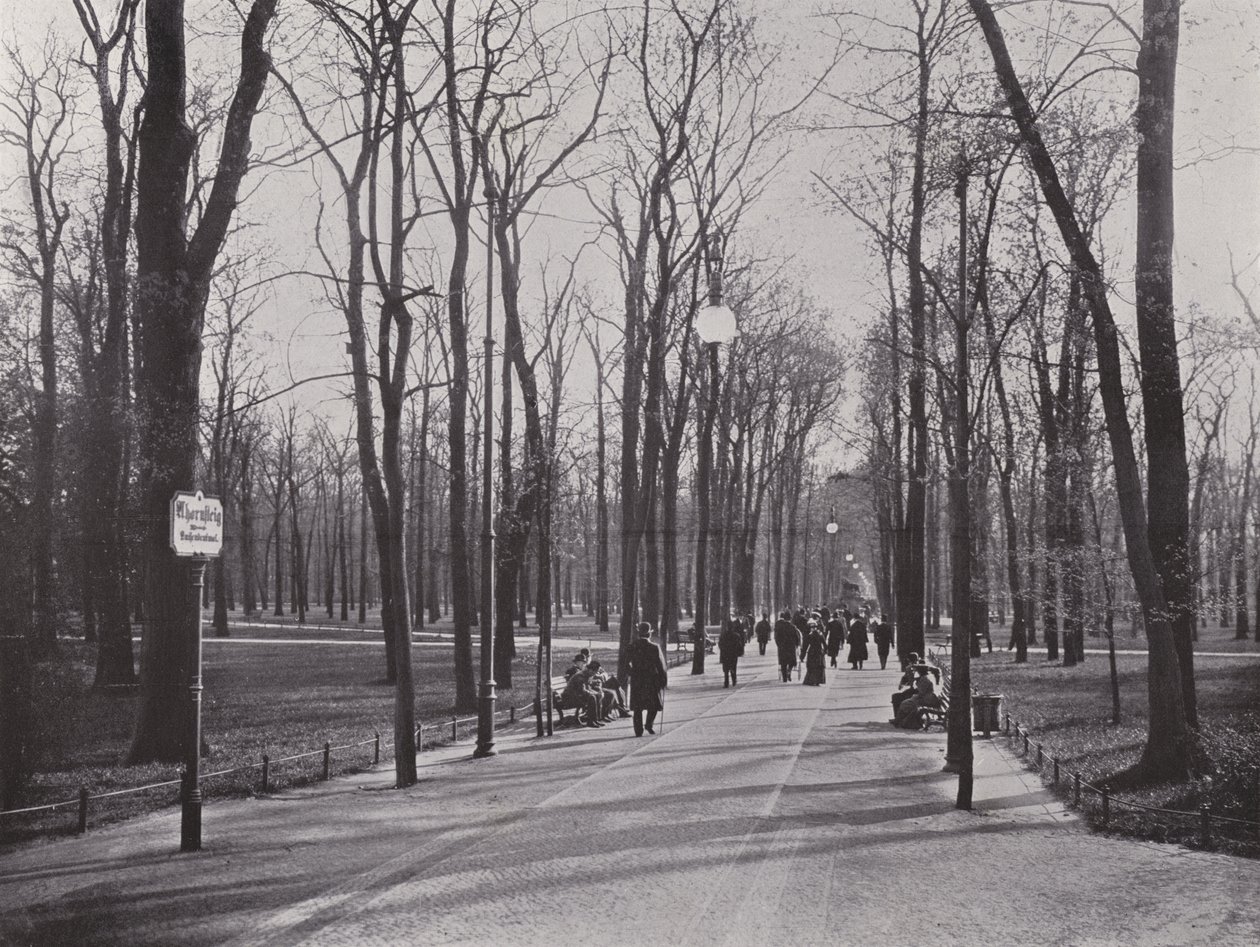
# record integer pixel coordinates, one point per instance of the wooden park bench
(937, 715)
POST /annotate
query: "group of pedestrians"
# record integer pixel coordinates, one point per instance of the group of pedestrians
(818, 637)
(810, 638)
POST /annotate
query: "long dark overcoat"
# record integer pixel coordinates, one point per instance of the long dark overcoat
(835, 636)
(731, 645)
(857, 642)
(648, 675)
(787, 639)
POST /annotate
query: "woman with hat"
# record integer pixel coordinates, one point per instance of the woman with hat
(814, 654)
(908, 717)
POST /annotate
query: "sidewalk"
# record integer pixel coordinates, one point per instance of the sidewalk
(768, 813)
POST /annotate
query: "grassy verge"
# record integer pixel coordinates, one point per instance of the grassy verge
(281, 699)
(1068, 710)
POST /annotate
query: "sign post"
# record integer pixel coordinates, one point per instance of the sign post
(197, 535)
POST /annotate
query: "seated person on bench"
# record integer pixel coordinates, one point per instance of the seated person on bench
(580, 695)
(925, 696)
(611, 688)
(906, 683)
(579, 661)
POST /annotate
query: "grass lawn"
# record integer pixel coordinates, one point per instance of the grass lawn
(281, 699)
(1069, 711)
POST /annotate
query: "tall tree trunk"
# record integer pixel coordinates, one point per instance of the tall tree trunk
(1171, 749)
(1168, 486)
(910, 581)
(172, 282)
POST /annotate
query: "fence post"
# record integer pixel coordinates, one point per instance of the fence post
(511, 713)
(1056, 771)
(1205, 827)
(327, 758)
(83, 804)
(266, 773)
(1076, 790)
(454, 729)
(1106, 813)
(376, 749)
(1008, 724)
(419, 737)
(1038, 756)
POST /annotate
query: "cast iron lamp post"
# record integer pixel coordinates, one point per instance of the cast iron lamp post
(715, 324)
(486, 696)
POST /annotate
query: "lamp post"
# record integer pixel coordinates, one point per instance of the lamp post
(715, 324)
(486, 696)
(833, 529)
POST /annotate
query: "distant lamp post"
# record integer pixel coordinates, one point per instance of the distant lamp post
(715, 324)
(833, 530)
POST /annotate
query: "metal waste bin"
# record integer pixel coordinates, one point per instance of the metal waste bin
(985, 712)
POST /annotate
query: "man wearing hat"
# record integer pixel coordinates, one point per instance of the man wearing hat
(648, 679)
(787, 640)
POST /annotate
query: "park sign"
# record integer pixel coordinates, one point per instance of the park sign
(196, 524)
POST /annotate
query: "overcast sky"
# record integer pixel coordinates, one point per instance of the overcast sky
(1218, 189)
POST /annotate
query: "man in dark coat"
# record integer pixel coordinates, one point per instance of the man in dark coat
(835, 637)
(648, 679)
(730, 649)
(882, 632)
(763, 632)
(787, 639)
(857, 641)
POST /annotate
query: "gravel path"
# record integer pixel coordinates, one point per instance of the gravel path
(767, 813)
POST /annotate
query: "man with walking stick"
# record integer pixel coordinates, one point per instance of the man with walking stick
(648, 680)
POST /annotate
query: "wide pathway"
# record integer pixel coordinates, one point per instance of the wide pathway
(768, 813)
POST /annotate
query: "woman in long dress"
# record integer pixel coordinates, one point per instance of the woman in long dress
(815, 656)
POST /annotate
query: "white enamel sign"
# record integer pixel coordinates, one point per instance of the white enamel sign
(196, 524)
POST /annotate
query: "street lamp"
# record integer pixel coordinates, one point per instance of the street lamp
(833, 528)
(486, 695)
(715, 324)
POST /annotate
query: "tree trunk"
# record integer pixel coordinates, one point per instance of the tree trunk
(1171, 749)
(1168, 487)
(172, 282)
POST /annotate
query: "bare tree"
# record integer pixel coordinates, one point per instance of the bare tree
(38, 126)
(173, 273)
(1170, 749)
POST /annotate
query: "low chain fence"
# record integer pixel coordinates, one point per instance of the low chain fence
(1104, 808)
(429, 735)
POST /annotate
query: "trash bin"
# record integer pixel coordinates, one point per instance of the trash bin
(985, 712)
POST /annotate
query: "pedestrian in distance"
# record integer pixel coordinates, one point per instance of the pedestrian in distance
(730, 650)
(648, 679)
(882, 632)
(787, 639)
(836, 629)
(813, 655)
(763, 632)
(858, 639)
